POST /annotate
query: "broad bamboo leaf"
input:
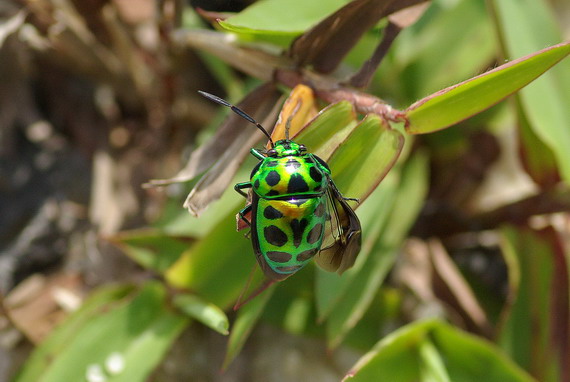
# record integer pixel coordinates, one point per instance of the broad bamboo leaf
(434, 351)
(461, 101)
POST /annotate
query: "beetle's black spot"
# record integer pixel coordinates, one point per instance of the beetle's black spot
(298, 227)
(291, 269)
(297, 184)
(293, 163)
(272, 178)
(275, 236)
(271, 163)
(315, 234)
(315, 174)
(279, 257)
(256, 184)
(320, 210)
(272, 193)
(306, 255)
(272, 213)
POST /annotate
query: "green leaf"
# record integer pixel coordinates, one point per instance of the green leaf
(151, 249)
(330, 288)
(100, 300)
(433, 368)
(245, 321)
(279, 21)
(368, 278)
(324, 133)
(525, 26)
(434, 351)
(124, 343)
(370, 151)
(461, 101)
(208, 314)
(216, 267)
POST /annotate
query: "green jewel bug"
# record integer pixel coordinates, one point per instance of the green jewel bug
(295, 209)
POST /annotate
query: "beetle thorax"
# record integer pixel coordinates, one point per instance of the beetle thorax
(294, 175)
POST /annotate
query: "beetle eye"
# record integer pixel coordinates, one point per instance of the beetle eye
(271, 153)
(302, 148)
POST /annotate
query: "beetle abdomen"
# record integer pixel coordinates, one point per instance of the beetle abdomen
(288, 233)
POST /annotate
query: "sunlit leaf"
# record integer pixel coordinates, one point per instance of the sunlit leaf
(461, 101)
(370, 151)
(323, 134)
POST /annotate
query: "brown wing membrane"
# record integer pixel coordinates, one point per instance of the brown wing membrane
(347, 233)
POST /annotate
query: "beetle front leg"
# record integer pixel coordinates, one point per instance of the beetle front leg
(257, 154)
(243, 212)
(240, 186)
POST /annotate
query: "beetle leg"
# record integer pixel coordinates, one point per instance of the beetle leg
(242, 213)
(257, 154)
(240, 186)
(337, 192)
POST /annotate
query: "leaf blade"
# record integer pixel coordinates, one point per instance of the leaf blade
(456, 103)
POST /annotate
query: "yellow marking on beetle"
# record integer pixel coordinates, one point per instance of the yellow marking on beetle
(292, 210)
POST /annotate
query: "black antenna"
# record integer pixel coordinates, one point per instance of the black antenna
(238, 111)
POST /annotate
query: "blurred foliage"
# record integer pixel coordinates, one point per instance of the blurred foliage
(468, 227)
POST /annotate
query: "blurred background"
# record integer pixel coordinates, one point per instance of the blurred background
(98, 97)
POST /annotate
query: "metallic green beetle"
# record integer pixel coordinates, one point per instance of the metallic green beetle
(294, 205)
